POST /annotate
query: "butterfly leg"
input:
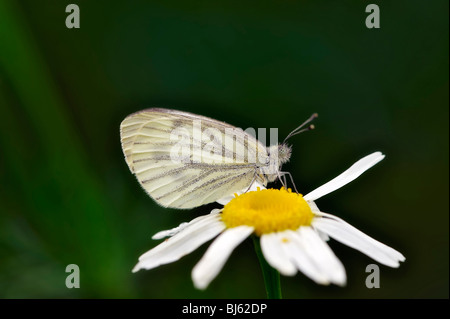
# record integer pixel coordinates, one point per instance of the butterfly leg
(253, 180)
(283, 174)
(282, 178)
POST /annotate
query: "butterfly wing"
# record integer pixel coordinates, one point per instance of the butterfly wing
(179, 165)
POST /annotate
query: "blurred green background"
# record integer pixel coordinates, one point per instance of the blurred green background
(67, 196)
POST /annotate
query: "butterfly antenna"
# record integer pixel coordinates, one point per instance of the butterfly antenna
(302, 127)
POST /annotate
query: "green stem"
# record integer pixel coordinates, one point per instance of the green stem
(271, 275)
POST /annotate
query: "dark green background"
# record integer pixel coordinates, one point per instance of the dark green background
(67, 196)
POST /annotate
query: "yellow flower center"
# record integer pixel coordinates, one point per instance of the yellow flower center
(268, 210)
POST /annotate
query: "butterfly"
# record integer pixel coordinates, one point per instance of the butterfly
(184, 160)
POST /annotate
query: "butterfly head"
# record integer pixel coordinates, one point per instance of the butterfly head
(284, 153)
(279, 154)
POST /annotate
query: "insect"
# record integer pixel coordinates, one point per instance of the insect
(184, 160)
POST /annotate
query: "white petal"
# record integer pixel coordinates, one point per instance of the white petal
(313, 206)
(345, 233)
(216, 211)
(271, 246)
(322, 235)
(217, 254)
(173, 231)
(295, 248)
(182, 243)
(316, 211)
(346, 177)
(170, 232)
(323, 256)
(192, 227)
(225, 200)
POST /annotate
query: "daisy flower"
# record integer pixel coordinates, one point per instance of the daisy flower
(292, 232)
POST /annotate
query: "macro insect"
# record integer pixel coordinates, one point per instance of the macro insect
(184, 160)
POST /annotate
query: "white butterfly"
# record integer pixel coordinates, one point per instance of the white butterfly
(184, 160)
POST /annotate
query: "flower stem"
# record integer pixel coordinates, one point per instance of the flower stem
(271, 275)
